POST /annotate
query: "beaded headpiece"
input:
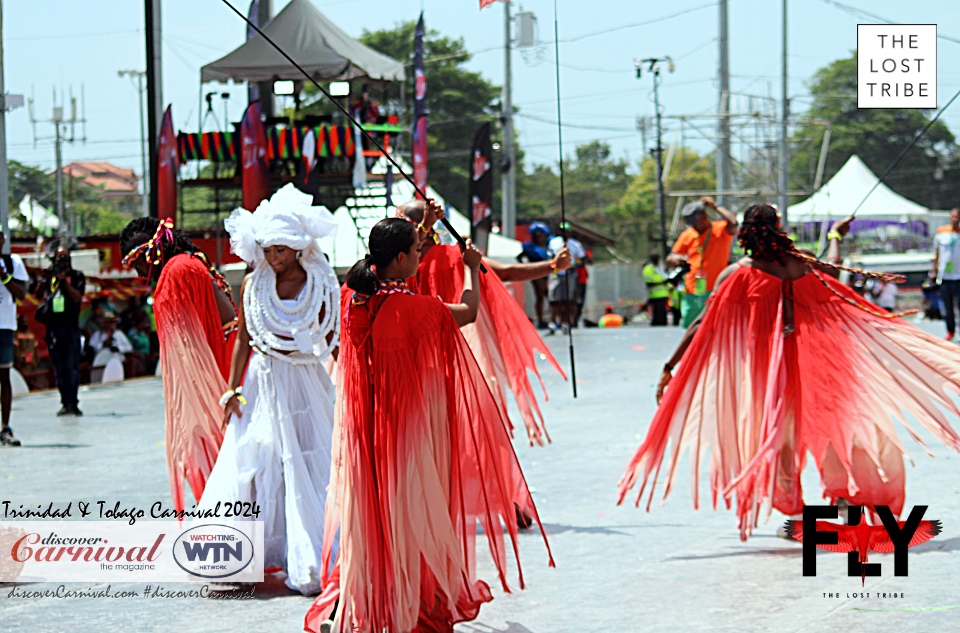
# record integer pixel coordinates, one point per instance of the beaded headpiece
(153, 248)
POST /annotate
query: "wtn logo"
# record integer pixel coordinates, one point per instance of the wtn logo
(221, 551)
(858, 539)
(213, 551)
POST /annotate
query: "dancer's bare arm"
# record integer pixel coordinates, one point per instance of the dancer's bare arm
(527, 272)
(241, 352)
(466, 311)
(224, 307)
(667, 373)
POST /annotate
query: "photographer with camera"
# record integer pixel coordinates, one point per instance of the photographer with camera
(705, 246)
(14, 279)
(60, 290)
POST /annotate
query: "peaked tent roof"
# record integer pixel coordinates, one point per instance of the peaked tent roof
(313, 41)
(841, 195)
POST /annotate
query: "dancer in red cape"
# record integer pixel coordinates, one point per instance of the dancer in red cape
(196, 319)
(786, 361)
(502, 339)
(420, 455)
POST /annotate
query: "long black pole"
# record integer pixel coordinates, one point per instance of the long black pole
(154, 94)
(367, 135)
(564, 287)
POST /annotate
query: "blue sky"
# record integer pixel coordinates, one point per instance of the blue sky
(51, 43)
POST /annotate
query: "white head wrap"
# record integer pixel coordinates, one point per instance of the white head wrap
(288, 218)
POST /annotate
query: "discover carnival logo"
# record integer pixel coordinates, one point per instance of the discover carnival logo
(213, 551)
(115, 551)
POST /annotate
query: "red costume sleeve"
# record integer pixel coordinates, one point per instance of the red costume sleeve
(420, 458)
(504, 342)
(193, 358)
(753, 401)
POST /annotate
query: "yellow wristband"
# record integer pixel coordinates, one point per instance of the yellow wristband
(834, 235)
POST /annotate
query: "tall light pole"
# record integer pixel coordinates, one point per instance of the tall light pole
(724, 172)
(145, 195)
(509, 168)
(654, 67)
(784, 148)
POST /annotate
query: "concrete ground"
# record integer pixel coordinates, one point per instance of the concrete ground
(618, 568)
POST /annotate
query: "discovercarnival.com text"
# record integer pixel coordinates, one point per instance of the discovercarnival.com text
(149, 591)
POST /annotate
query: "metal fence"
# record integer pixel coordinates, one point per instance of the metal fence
(611, 283)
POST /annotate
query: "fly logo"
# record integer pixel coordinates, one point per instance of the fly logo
(858, 539)
(213, 551)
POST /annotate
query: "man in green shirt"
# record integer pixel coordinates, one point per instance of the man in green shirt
(657, 290)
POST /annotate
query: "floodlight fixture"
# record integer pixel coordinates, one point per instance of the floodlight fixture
(339, 88)
(283, 88)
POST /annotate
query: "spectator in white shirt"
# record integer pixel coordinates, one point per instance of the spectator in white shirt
(563, 287)
(110, 337)
(946, 268)
(13, 276)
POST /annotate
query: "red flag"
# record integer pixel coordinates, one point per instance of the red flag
(486, 3)
(253, 152)
(168, 166)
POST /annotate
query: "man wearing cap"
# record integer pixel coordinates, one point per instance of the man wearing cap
(535, 250)
(110, 337)
(705, 246)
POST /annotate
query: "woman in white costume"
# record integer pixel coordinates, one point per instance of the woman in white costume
(276, 446)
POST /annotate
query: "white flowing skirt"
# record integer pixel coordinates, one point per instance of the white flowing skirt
(277, 455)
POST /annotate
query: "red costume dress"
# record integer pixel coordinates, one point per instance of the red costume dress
(195, 364)
(754, 398)
(420, 456)
(502, 339)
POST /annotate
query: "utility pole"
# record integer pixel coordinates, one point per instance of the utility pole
(145, 195)
(7, 102)
(59, 123)
(784, 149)
(57, 120)
(654, 63)
(724, 172)
(154, 92)
(508, 169)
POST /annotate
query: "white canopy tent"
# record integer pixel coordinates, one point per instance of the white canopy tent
(841, 195)
(313, 41)
(349, 243)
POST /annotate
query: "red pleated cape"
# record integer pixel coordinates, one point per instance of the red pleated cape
(420, 458)
(503, 340)
(755, 402)
(195, 364)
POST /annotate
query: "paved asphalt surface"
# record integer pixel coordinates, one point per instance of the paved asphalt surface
(619, 568)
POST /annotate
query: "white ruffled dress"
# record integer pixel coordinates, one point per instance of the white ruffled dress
(277, 455)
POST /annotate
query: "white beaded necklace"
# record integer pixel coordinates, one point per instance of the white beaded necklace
(266, 314)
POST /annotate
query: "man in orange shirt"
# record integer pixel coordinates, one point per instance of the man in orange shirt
(705, 246)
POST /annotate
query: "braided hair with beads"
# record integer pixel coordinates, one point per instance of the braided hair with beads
(159, 242)
(762, 238)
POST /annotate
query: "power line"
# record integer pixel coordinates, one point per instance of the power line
(634, 25)
(860, 13)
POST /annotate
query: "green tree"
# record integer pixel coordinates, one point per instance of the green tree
(593, 182)
(634, 218)
(928, 172)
